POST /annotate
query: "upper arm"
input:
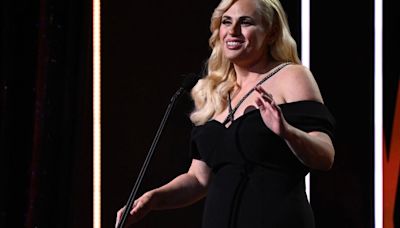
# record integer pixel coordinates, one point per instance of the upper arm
(201, 171)
(298, 83)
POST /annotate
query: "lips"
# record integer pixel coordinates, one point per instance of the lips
(234, 44)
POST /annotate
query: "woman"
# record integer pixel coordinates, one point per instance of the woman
(260, 127)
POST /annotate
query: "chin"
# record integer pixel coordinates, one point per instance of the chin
(234, 59)
(232, 56)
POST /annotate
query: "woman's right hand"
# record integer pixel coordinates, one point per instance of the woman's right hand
(140, 208)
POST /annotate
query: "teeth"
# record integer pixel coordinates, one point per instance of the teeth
(233, 43)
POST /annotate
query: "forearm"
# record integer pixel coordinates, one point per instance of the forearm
(181, 191)
(314, 150)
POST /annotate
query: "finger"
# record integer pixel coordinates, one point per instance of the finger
(265, 101)
(261, 90)
(117, 223)
(134, 205)
(274, 107)
(272, 104)
(138, 206)
(264, 94)
(138, 212)
(267, 98)
(260, 104)
(274, 110)
(119, 214)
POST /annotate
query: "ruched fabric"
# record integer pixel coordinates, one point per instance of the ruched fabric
(257, 180)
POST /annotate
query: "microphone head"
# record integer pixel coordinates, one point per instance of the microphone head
(189, 81)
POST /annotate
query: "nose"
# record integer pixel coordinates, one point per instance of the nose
(234, 29)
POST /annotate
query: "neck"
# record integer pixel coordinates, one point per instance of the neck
(245, 75)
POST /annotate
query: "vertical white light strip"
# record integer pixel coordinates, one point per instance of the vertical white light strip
(378, 109)
(96, 116)
(305, 32)
(305, 53)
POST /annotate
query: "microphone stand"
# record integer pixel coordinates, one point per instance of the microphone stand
(148, 158)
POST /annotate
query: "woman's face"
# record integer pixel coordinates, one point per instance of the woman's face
(242, 33)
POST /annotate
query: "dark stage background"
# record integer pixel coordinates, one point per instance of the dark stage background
(46, 105)
(45, 113)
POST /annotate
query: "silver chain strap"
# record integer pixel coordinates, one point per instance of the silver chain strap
(232, 111)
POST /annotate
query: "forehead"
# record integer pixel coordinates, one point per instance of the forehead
(243, 8)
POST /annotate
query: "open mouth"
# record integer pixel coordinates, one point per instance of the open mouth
(234, 44)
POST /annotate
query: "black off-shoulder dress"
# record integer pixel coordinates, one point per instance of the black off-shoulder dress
(257, 180)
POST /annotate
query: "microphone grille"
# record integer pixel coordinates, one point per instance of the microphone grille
(190, 81)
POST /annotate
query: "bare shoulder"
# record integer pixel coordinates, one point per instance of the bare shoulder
(298, 83)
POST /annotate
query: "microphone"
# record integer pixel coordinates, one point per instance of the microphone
(188, 83)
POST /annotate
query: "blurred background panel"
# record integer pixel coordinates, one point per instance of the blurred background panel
(45, 113)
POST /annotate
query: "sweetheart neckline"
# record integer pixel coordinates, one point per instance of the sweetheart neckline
(256, 111)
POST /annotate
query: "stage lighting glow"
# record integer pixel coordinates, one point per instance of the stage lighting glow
(378, 115)
(305, 54)
(96, 116)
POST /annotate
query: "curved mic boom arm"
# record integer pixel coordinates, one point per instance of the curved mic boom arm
(187, 84)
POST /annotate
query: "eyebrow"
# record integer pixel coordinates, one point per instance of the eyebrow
(240, 18)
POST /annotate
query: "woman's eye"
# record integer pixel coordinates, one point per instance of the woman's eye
(246, 22)
(226, 22)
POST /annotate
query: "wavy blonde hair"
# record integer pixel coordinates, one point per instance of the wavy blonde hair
(210, 93)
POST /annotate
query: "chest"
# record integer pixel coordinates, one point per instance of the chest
(244, 101)
(246, 140)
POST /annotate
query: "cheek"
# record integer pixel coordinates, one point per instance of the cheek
(252, 39)
(259, 40)
(263, 40)
(222, 33)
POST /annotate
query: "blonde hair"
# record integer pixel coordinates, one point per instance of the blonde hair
(210, 93)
